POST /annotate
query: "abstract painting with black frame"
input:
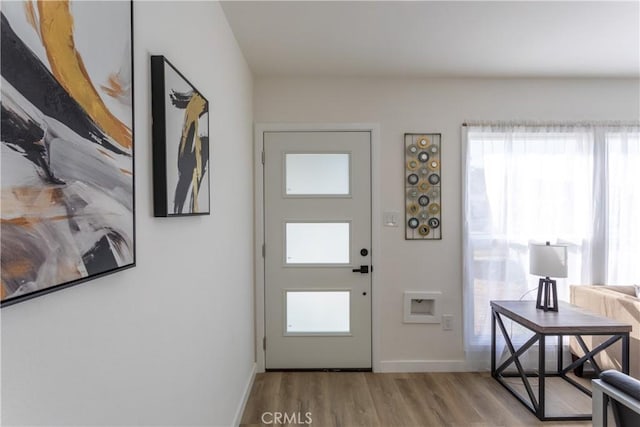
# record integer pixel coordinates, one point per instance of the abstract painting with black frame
(180, 143)
(422, 186)
(67, 178)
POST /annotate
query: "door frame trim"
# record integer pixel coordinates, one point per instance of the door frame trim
(376, 219)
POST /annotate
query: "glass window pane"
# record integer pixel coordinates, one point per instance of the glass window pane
(317, 174)
(318, 312)
(317, 243)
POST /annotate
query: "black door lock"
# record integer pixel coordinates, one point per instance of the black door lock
(364, 269)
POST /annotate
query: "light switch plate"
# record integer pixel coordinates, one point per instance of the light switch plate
(390, 218)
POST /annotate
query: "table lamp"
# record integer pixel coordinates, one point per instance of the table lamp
(547, 261)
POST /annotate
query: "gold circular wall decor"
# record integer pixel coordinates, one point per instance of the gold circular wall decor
(412, 165)
(422, 186)
(423, 141)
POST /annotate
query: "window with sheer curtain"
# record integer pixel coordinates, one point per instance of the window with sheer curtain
(566, 184)
(622, 237)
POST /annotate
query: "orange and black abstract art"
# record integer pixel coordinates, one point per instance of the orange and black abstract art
(180, 143)
(67, 201)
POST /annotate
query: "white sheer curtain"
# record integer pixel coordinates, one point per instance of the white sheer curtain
(577, 185)
(622, 243)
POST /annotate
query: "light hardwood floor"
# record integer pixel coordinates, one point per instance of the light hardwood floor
(345, 399)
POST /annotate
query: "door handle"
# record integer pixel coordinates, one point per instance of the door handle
(364, 269)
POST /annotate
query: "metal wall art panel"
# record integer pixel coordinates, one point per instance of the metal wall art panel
(422, 186)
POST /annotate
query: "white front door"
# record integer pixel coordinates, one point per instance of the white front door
(317, 196)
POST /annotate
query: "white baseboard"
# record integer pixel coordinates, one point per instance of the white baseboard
(245, 395)
(424, 366)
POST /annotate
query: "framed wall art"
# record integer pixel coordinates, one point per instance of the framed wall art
(422, 186)
(67, 180)
(180, 143)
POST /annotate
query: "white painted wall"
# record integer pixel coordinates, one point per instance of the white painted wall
(435, 105)
(169, 342)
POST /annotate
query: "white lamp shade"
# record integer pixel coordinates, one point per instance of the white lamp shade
(548, 260)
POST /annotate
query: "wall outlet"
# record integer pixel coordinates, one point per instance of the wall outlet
(447, 322)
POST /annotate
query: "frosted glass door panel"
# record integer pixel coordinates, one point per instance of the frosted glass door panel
(317, 174)
(318, 312)
(317, 242)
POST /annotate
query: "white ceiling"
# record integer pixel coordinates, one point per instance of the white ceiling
(438, 39)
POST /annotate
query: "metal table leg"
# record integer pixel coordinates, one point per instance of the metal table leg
(493, 343)
(541, 373)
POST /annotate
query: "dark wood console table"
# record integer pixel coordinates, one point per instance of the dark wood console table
(569, 320)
